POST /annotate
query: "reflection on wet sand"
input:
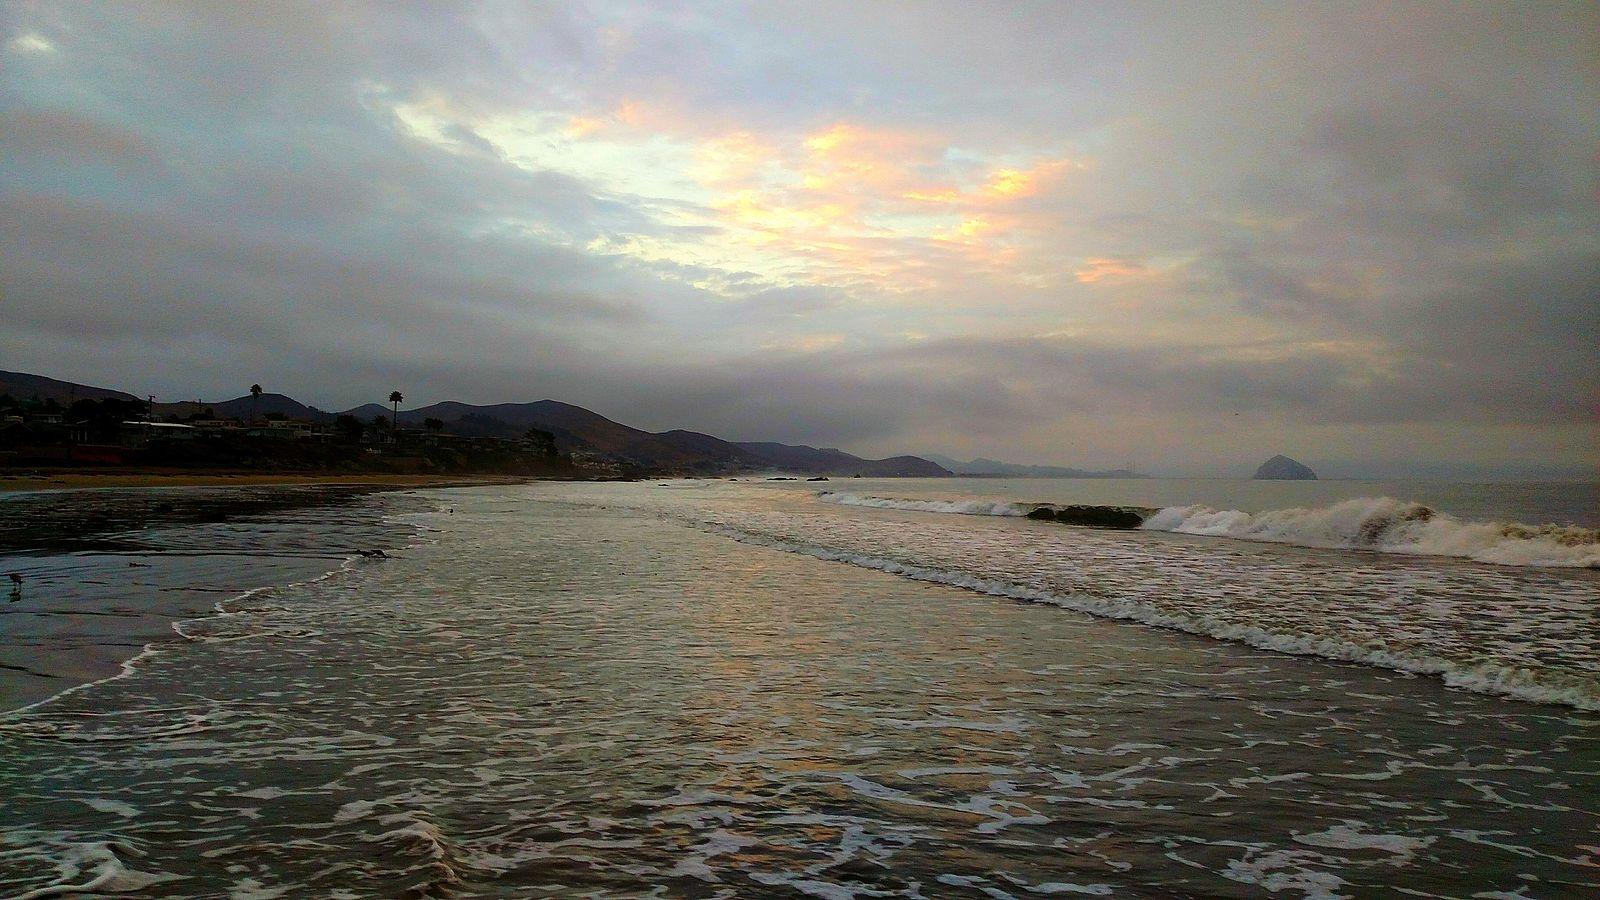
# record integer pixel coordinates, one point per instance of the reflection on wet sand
(550, 699)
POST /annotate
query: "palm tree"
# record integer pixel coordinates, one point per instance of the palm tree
(255, 400)
(395, 398)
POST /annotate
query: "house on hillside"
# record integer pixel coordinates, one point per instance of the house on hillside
(217, 426)
(141, 434)
(291, 429)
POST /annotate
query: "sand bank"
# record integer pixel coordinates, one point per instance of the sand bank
(45, 479)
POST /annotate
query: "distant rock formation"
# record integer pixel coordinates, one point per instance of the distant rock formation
(1282, 468)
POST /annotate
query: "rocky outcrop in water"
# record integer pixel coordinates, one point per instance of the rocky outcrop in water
(1094, 516)
(1282, 468)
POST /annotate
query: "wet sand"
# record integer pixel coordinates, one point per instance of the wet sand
(45, 479)
(101, 573)
(83, 518)
(560, 693)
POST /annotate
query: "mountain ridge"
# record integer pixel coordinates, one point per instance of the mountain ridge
(583, 430)
(577, 430)
(23, 385)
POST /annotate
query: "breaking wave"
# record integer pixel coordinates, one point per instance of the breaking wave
(1392, 526)
(1484, 677)
(1380, 524)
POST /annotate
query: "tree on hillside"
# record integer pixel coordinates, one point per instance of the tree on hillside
(395, 398)
(349, 426)
(543, 442)
(432, 424)
(255, 400)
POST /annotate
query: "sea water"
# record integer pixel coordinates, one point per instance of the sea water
(101, 574)
(717, 689)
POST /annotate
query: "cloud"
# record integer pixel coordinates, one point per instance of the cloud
(1048, 230)
(1104, 269)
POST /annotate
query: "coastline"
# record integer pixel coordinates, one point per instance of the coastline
(108, 569)
(158, 478)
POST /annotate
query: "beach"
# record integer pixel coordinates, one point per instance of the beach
(44, 480)
(103, 570)
(942, 450)
(740, 689)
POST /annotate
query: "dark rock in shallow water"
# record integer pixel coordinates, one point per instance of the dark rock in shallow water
(1093, 516)
(1100, 516)
(1282, 468)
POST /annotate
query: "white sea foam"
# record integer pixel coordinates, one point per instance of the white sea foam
(1484, 677)
(221, 609)
(1300, 871)
(116, 807)
(960, 507)
(1392, 526)
(1351, 836)
(1367, 523)
(251, 889)
(129, 666)
(98, 861)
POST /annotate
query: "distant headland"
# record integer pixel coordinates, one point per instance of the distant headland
(994, 468)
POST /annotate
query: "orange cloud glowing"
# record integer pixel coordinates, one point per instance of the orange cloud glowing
(1104, 269)
(845, 204)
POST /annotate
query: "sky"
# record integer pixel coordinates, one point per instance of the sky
(1187, 235)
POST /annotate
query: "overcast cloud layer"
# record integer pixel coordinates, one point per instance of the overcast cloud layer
(1366, 236)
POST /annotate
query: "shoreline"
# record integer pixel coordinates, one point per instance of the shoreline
(67, 480)
(104, 578)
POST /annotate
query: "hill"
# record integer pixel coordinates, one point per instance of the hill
(37, 387)
(578, 431)
(245, 407)
(587, 432)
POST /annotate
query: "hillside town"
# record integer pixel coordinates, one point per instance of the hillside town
(123, 432)
(46, 422)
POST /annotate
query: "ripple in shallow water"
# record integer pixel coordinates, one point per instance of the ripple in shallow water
(552, 700)
(89, 601)
(1527, 633)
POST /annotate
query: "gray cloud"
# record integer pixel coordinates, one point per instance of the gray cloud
(1356, 217)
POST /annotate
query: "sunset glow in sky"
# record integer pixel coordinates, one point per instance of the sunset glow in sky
(843, 205)
(1365, 235)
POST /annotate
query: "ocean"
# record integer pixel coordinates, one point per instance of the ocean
(851, 688)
